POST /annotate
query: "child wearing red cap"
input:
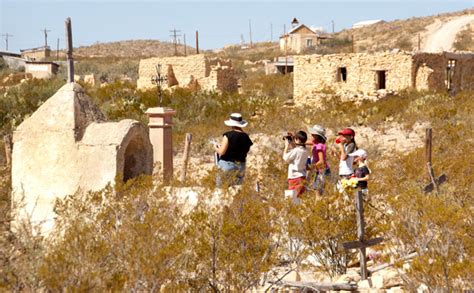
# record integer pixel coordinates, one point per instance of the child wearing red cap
(346, 144)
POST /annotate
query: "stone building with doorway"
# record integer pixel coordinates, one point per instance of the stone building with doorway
(368, 73)
(41, 69)
(67, 146)
(191, 71)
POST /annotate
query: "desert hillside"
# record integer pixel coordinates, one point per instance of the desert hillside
(402, 34)
(132, 49)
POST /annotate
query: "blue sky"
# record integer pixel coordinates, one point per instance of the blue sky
(219, 22)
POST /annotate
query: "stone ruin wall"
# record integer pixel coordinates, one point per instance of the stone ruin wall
(463, 74)
(210, 73)
(316, 73)
(421, 71)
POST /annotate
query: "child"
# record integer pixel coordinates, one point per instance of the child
(362, 172)
(346, 143)
(319, 160)
(296, 157)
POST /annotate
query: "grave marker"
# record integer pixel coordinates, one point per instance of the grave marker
(361, 243)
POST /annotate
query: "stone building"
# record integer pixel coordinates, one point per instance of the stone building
(41, 69)
(367, 73)
(299, 39)
(191, 71)
(37, 54)
(68, 146)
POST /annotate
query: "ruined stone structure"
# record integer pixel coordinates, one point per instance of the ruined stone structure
(67, 146)
(191, 71)
(37, 54)
(41, 69)
(367, 73)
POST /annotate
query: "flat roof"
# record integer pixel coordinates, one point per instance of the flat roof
(5, 53)
(42, 62)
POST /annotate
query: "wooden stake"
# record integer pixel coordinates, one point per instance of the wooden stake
(197, 42)
(428, 153)
(187, 149)
(7, 139)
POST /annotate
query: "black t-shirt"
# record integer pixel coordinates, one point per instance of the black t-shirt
(239, 146)
(361, 172)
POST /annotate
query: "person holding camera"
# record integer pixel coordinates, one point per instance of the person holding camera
(232, 152)
(347, 145)
(296, 154)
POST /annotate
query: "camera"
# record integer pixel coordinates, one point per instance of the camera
(288, 137)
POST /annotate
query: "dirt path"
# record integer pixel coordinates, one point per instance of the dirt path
(442, 38)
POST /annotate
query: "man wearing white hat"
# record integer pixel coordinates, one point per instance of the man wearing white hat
(233, 151)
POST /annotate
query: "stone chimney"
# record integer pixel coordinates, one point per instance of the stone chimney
(160, 125)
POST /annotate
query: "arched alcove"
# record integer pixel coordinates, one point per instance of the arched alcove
(136, 159)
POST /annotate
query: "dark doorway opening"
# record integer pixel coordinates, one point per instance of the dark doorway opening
(381, 79)
(342, 74)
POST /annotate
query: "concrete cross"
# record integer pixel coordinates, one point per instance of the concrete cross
(361, 243)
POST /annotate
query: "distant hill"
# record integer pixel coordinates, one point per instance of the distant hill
(132, 49)
(402, 34)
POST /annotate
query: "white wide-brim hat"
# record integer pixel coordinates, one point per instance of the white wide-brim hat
(236, 120)
(318, 130)
(359, 153)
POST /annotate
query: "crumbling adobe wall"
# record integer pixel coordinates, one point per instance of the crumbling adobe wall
(183, 68)
(464, 74)
(192, 71)
(436, 63)
(462, 78)
(314, 73)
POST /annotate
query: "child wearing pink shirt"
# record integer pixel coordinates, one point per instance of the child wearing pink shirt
(319, 164)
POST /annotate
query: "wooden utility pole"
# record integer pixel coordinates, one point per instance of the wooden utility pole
(361, 243)
(250, 33)
(69, 58)
(197, 42)
(419, 42)
(7, 139)
(352, 41)
(187, 150)
(57, 50)
(174, 35)
(271, 32)
(6, 36)
(286, 48)
(184, 40)
(45, 31)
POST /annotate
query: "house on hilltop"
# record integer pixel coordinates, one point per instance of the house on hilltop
(300, 38)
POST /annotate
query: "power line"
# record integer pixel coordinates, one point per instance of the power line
(174, 35)
(7, 35)
(45, 31)
(250, 32)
